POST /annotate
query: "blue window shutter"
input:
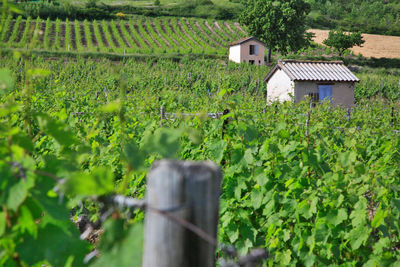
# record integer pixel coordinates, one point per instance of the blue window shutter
(325, 92)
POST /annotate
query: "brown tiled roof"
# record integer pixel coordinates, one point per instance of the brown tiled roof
(304, 70)
(245, 39)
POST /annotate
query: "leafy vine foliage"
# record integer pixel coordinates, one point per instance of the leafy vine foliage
(73, 132)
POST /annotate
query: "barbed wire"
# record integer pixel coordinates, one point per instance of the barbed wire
(111, 203)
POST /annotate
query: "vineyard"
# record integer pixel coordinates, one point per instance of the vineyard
(139, 36)
(314, 186)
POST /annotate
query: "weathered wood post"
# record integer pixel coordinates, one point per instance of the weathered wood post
(162, 115)
(181, 194)
(392, 116)
(348, 114)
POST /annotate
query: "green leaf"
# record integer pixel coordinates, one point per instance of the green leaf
(216, 150)
(37, 73)
(378, 218)
(240, 187)
(283, 258)
(309, 260)
(359, 214)
(260, 176)
(55, 245)
(27, 222)
(133, 156)
(6, 81)
(357, 236)
(125, 250)
(256, 198)
(111, 107)
(248, 156)
(23, 141)
(16, 195)
(50, 205)
(381, 245)
(99, 182)
(308, 209)
(57, 130)
(347, 158)
(322, 232)
(164, 141)
(336, 217)
(396, 204)
(232, 232)
(3, 223)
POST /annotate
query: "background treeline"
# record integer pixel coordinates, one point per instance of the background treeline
(94, 9)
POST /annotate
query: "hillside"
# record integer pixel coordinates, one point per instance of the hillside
(141, 35)
(145, 35)
(368, 16)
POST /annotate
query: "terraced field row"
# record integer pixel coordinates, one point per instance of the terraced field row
(142, 35)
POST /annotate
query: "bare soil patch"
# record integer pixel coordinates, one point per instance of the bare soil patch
(103, 36)
(93, 35)
(166, 33)
(118, 26)
(114, 39)
(181, 39)
(141, 35)
(31, 31)
(223, 31)
(375, 45)
(229, 28)
(212, 31)
(21, 30)
(196, 24)
(148, 33)
(237, 25)
(9, 31)
(42, 29)
(52, 34)
(160, 36)
(84, 41)
(62, 35)
(179, 23)
(73, 36)
(128, 29)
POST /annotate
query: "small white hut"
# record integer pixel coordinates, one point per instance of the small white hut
(320, 80)
(249, 49)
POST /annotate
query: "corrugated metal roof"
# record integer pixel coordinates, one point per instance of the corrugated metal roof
(245, 39)
(325, 71)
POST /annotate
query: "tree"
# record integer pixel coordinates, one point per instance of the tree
(341, 41)
(278, 23)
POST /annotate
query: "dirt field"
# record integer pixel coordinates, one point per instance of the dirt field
(377, 46)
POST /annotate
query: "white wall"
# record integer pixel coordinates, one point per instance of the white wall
(280, 87)
(234, 53)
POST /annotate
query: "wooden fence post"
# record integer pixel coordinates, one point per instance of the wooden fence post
(162, 115)
(392, 116)
(188, 192)
(164, 239)
(348, 114)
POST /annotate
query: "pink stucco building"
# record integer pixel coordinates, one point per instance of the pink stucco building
(249, 49)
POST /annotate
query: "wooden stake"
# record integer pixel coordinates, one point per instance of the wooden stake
(162, 115)
(179, 195)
